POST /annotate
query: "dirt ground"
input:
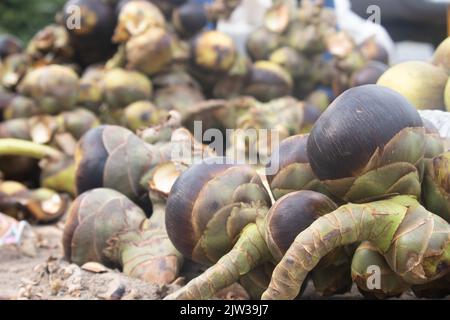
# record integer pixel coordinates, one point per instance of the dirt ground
(48, 276)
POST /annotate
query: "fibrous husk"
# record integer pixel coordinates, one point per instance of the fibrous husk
(365, 260)
(41, 205)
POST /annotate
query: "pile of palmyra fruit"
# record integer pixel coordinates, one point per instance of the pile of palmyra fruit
(91, 116)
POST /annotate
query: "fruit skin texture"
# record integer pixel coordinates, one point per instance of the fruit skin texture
(135, 18)
(20, 107)
(368, 144)
(189, 18)
(288, 58)
(268, 81)
(143, 114)
(113, 157)
(214, 51)
(370, 74)
(294, 171)
(447, 96)
(149, 52)
(54, 88)
(123, 87)
(441, 57)
(208, 207)
(91, 88)
(421, 83)
(374, 51)
(92, 42)
(261, 43)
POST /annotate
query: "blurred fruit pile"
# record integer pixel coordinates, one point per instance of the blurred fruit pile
(94, 107)
(425, 84)
(131, 63)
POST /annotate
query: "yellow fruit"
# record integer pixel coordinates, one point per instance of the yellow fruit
(421, 83)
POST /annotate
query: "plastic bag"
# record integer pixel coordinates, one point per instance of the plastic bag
(20, 234)
(440, 119)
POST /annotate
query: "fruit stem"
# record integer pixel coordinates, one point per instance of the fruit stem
(148, 254)
(376, 222)
(17, 147)
(249, 252)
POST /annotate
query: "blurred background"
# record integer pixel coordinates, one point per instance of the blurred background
(23, 17)
(417, 20)
(405, 20)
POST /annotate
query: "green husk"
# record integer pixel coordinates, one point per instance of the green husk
(147, 253)
(415, 242)
(395, 169)
(249, 251)
(105, 226)
(391, 284)
(259, 243)
(435, 186)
